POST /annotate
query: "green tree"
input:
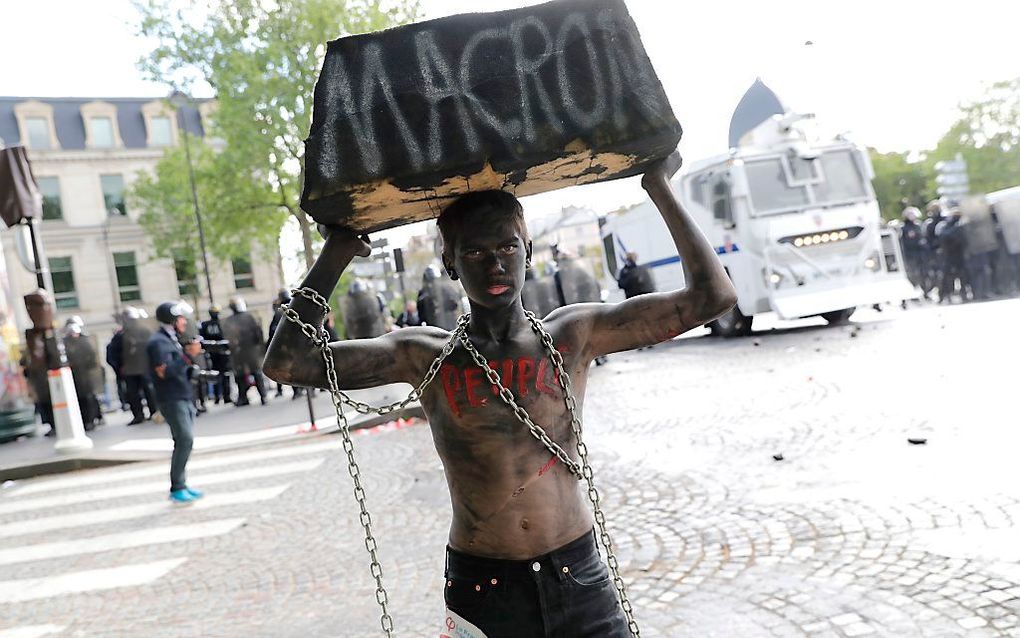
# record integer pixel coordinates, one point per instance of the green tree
(237, 213)
(899, 183)
(261, 58)
(987, 135)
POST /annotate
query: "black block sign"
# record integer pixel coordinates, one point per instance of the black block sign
(527, 100)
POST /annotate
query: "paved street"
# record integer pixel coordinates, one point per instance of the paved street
(855, 532)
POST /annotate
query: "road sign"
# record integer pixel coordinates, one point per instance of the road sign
(952, 177)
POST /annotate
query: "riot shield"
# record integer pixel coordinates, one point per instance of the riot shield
(575, 282)
(245, 337)
(362, 317)
(539, 295)
(84, 363)
(1008, 213)
(137, 331)
(978, 226)
(439, 302)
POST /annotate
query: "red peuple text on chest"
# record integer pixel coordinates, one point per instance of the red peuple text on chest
(468, 387)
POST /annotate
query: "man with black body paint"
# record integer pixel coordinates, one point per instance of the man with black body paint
(522, 559)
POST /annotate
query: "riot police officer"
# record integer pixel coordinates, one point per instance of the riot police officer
(247, 349)
(215, 343)
(912, 242)
(633, 279)
(539, 293)
(84, 364)
(438, 299)
(364, 311)
(135, 362)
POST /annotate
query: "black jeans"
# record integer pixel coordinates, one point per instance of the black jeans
(566, 593)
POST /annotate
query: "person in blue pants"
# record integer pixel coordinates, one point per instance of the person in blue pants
(170, 366)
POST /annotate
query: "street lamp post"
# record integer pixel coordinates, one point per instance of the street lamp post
(179, 99)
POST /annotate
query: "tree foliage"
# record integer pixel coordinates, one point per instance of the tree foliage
(899, 183)
(987, 135)
(261, 58)
(237, 213)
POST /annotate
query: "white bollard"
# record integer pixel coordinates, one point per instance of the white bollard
(66, 414)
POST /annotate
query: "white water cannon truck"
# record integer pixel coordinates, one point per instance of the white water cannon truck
(793, 218)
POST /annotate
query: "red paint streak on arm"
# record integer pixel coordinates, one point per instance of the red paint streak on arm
(548, 466)
(473, 381)
(525, 369)
(451, 385)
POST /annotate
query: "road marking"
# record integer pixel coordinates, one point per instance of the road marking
(111, 475)
(124, 540)
(95, 517)
(222, 440)
(32, 631)
(16, 591)
(57, 500)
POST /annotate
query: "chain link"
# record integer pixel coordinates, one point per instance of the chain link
(320, 338)
(589, 476)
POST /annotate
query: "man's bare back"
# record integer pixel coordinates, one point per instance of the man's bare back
(511, 498)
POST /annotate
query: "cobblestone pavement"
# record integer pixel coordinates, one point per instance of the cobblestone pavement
(854, 532)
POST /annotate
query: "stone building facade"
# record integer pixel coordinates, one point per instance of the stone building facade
(85, 154)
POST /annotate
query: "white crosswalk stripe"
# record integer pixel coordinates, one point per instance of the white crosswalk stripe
(88, 499)
(97, 544)
(109, 515)
(11, 506)
(109, 475)
(32, 631)
(16, 591)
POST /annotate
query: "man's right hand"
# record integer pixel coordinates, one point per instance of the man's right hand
(341, 236)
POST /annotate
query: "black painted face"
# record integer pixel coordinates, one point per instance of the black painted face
(490, 261)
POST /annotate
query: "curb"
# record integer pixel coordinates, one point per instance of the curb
(89, 461)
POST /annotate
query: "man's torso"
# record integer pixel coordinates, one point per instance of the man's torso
(511, 497)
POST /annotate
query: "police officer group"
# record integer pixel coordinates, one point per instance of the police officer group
(952, 256)
(230, 354)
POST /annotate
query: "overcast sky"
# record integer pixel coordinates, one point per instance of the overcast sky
(892, 72)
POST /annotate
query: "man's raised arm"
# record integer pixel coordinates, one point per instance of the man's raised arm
(651, 318)
(293, 359)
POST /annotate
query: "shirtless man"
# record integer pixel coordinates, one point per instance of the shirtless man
(522, 559)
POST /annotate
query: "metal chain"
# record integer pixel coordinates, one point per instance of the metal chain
(519, 412)
(320, 337)
(589, 475)
(582, 450)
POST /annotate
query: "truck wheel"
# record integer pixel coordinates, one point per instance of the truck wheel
(838, 317)
(732, 324)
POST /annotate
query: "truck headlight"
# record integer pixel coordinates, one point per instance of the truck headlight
(873, 262)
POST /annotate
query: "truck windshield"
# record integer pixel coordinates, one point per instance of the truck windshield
(839, 180)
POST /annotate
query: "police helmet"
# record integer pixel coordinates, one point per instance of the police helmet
(168, 311)
(432, 273)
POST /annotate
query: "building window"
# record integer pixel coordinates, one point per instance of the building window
(102, 132)
(243, 276)
(64, 294)
(127, 276)
(160, 131)
(113, 194)
(49, 187)
(187, 277)
(38, 132)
